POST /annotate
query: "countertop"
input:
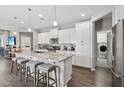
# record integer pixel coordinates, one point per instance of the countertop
(47, 57)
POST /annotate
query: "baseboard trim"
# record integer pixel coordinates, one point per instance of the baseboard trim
(92, 69)
(81, 67)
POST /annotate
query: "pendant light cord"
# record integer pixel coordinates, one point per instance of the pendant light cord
(55, 12)
(29, 17)
(15, 22)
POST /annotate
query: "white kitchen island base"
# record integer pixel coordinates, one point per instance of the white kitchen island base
(62, 61)
(65, 71)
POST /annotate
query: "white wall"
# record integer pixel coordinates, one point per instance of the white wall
(118, 13)
(104, 24)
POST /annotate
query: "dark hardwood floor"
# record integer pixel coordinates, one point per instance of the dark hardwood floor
(80, 78)
(85, 78)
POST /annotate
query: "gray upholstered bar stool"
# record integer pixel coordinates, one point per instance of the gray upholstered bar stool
(19, 65)
(31, 70)
(43, 73)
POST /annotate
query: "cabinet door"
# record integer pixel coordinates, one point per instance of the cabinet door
(47, 37)
(39, 38)
(67, 35)
(42, 38)
(61, 36)
(64, 36)
(72, 35)
(53, 33)
(83, 44)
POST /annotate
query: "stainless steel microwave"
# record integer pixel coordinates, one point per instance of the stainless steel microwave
(54, 41)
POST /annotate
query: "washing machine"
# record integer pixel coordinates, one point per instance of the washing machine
(102, 50)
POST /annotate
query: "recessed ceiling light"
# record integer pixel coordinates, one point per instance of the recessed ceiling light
(40, 15)
(21, 22)
(82, 14)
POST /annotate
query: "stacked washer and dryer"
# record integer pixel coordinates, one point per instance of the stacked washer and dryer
(102, 48)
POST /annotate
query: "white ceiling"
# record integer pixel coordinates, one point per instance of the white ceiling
(66, 14)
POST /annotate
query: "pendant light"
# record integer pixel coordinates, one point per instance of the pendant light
(29, 21)
(15, 18)
(55, 19)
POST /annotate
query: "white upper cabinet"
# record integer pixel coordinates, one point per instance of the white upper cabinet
(67, 35)
(53, 33)
(61, 36)
(43, 38)
(64, 36)
(72, 35)
(47, 37)
(39, 38)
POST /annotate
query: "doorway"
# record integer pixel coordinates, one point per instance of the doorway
(103, 45)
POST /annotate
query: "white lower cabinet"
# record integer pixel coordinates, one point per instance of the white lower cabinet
(73, 60)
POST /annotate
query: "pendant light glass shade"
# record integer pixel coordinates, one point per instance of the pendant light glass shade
(15, 26)
(55, 22)
(29, 29)
(14, 33)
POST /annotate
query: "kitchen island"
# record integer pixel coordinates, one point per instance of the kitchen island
(62, 60)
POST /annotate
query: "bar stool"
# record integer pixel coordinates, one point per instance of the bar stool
(19, 65)
(31, 70)
(43, 73)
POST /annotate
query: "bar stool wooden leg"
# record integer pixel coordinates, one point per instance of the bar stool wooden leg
(37, 80)
(47, 79)
(11, 66)
(29, 71)
(20, 71)
(16, 68)
(35, 76)
(26, 74)
(55, 77)
(58, 75)
(44, 79)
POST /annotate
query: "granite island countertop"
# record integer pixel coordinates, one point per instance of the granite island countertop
(47, 57)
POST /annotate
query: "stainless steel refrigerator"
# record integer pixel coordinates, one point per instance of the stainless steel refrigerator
(118, 54)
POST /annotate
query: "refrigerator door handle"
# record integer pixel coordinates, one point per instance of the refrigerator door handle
(112, 56)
